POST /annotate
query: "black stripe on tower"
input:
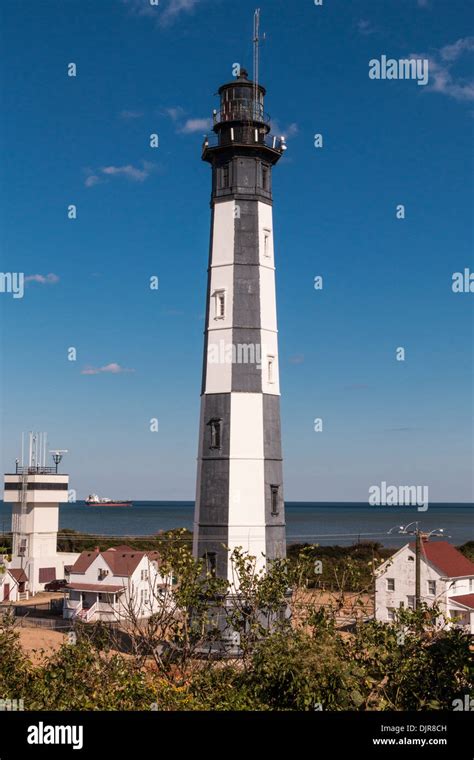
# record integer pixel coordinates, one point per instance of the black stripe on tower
(275, 540)
(214, 484)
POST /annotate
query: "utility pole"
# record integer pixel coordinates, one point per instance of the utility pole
(418, 568)
(419, 536)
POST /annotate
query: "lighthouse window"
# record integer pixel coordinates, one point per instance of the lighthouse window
(225, 175)
(275, 499)
(265, 176)
(271, 367)
(266, 243)
(220, 304)
(215, 426)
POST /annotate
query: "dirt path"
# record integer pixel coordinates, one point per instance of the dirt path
(33, 640)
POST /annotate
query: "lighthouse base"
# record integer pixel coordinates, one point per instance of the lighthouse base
(234, 626)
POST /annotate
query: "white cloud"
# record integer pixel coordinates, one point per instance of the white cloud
(142, 8)
(452, 52)
(130, 172)
(195, 125)
(174, 113)
(113, 369)
(290, 131)
(441, 78)
(175, 7)
(128, 115)
(92, 180)
(43, 279)
(188, 126)
(365, 27)
(442, 81)
(165, 13)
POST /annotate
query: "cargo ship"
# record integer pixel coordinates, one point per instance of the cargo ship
(96, 501)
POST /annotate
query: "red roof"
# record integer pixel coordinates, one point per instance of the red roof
(467, 600)
(94, 587)
(122, 560)
(122, 563)
(18, 574)
(84, 560)
(446, 558)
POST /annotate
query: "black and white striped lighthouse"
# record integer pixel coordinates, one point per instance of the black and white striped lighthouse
(239, 499)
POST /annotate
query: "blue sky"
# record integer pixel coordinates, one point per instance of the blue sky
(141, 212)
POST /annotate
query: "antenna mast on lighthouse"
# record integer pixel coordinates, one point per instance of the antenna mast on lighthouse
(256, 59)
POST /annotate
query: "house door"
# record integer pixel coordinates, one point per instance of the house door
(6, 592)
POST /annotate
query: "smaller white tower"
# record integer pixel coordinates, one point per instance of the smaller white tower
(35, 492)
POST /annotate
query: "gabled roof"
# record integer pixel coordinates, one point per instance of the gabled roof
(467, 600)
(18, 574)
(84, 561)
(123, 563)
(122, 560)
(446, 558)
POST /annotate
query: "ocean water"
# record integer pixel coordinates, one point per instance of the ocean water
(323, 523)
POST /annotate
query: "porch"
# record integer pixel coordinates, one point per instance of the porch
(461, 609)
(92, 604)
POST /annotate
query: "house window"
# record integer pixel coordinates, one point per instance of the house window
(266, 243)
(411, 558)
(411, 602)
(471, 584)
(144, 575)
(390, 584)
(210, 559)
(275, 499)
(219, 296)
(102, 574)
(271, 369)
(265, 176)
(215, 426)
(143, 596)
(432, 588)
(390, 613)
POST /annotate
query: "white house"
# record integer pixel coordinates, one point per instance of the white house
(446, 578)
(13, 583)
(108, 585)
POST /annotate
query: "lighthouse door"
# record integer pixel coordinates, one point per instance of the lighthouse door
(6, 592)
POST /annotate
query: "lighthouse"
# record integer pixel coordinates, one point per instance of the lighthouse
(239, 493)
